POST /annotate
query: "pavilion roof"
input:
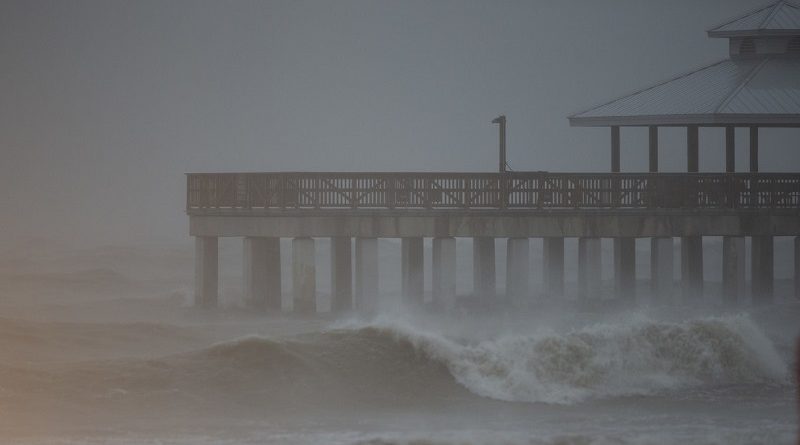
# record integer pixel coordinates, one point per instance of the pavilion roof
(758, 91)
(776, 19)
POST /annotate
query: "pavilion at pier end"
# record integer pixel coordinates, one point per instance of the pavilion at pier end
(757, 86)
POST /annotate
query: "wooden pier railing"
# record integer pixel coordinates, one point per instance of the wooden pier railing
(517, 190)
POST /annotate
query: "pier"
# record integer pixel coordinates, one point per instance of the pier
(758, 86)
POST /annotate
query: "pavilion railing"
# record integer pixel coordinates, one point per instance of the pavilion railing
(517, 190)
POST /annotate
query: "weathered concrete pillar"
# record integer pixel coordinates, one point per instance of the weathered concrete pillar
(304, 275)
(341, 274)
(553, 263)
(615, 149)
(625, 269)
(483, 266)
(366, 274)
(589, 268)
(518, 269)
(661, 269)
(762, 269)
(730, 149)
(262, 272)
(753, 149)
(653, 148)
(444, 271)
(413, 270)
(733, 274)
(797, 267)
(692, 149)
(206, 271)
(692, 267)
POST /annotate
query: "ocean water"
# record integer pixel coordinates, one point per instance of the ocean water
(129, 363)
(636, 380)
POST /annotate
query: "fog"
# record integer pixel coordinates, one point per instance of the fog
(107, 104)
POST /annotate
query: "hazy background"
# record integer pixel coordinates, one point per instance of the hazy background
(106, 104)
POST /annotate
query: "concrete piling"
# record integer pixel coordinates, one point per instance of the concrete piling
(589, 268)
(412, 265)
(517, 269)
(262, 272)
(553, 264)
(444, 271)
(366, 286)
(797, 267)
(341, 274)
(483, 266)
(762, 264)
(625, 269)
(206, 271)
(661, 269)
(733, 270)
(692, 267)
(304, 275)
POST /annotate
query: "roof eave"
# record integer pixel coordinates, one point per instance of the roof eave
(713, 120)
(754, 33)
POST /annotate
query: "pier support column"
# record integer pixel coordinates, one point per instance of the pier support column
(733, 274)
(341, 274)
(483, 266)
(692, 267)
(553, 263)
(625, 269)
(444, 271)
(304, 276)
(762, 269)
(262, 272)
(518, 269)
(797, 267)
(661, 269)
(413, 270)
(589, 268)
(366, 274)
(206, 271)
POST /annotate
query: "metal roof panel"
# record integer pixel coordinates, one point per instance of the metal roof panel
(721, 92)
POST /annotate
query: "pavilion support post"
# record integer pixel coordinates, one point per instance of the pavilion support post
(653, 139)
(366, 286)
(753, 149)
(444, 271)
(341, 273)
(761, 264)
(733, 274)
(661, 269)
(730, 149)
(625, 269)
(615, 168)
(518, 267)
(553, 263)
(304, 275)
(692, 149)
(412, 265)
(262, 272)
(589, 268)
(206, 271)
(483, 266)
(692, 267)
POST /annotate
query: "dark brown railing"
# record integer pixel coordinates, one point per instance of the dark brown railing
(518, 190)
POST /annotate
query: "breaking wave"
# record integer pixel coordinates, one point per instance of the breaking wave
(605, 360)
(392, 363)
(638, 357)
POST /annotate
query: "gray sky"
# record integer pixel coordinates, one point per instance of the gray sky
(106, 104)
